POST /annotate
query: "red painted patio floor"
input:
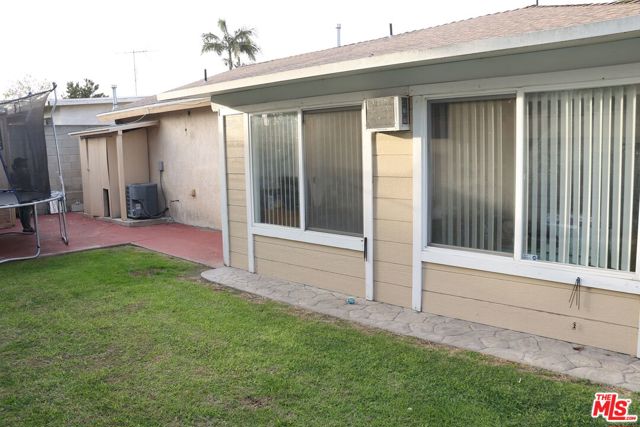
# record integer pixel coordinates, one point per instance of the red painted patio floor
(192, 243)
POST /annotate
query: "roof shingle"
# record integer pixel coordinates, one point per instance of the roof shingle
(529, 19)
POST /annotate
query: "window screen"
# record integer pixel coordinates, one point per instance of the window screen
(471, 172)
(333, 170)
(274, 142)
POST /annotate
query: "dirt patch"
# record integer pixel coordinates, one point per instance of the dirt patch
(134, 307)
(147, 272)
(194, 274)
(253, 402)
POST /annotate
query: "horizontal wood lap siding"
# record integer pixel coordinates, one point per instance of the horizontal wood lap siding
(236, 194)
(326, 267)
(392, 217)
(605, 319)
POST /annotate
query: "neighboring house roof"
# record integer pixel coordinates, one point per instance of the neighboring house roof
(150, 105)
(82, 111)
(513, 23)
(92, 101)
(107, 130)
(147, 100)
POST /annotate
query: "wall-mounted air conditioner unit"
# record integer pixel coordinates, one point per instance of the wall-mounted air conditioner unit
(390, 113)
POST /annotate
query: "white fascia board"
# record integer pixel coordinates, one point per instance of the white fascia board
(91, 101)
(158, 107)
(608, 30)
(114, 129)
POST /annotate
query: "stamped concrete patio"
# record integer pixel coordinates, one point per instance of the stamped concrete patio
(200, 245)
(586, 362)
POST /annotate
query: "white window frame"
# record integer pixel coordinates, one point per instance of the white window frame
(512, 265)
(299, 234)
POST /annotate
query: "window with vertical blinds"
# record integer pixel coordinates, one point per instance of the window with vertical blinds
(471, 173)
(274, 142)
(332, 161)
(332, 145)
(582, 195)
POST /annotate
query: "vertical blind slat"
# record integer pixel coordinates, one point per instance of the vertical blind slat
(450, 194)
(574, 215)
(459, 180)
(587, 144)
(606, 178)
(474, 147)
(618, 123)
(597, 178)
(500, 188)
(553, 182)
(544, 178)
(533, 130)
(528, 195)
(629, 182)
(492, 173)
(565, 180)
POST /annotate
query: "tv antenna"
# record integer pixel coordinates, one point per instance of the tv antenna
(135, 72)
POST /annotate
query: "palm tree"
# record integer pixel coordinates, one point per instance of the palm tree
(231, 45)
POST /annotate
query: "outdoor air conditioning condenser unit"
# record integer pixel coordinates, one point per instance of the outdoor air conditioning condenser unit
(390, 113)
(142, 201)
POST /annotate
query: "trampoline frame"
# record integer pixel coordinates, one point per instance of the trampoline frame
(62, 223)
(59, 197)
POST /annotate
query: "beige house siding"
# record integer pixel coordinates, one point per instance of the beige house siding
(236, 194)
(605, 319)
(392, 216)
(326, 267)
(187, 143)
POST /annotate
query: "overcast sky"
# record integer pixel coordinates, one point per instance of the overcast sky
(71, 40)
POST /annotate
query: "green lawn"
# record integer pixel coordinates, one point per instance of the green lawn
(128, 337)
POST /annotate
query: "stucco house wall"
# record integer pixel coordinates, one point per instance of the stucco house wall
(186, 142)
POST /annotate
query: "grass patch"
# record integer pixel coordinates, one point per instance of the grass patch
(127, 337)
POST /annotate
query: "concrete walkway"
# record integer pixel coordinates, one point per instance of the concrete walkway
(590, 363)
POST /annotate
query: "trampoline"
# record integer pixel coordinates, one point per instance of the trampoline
(24, 175)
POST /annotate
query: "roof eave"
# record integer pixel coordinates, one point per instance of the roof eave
(561, 37)
(155, 108)
(107, 130)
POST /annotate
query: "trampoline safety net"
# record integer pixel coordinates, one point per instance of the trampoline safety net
(23, 150)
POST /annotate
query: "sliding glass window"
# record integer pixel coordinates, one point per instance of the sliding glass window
(333, 170)
(471, 166)
(274, 142)
(582, 191)
(332, 162)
